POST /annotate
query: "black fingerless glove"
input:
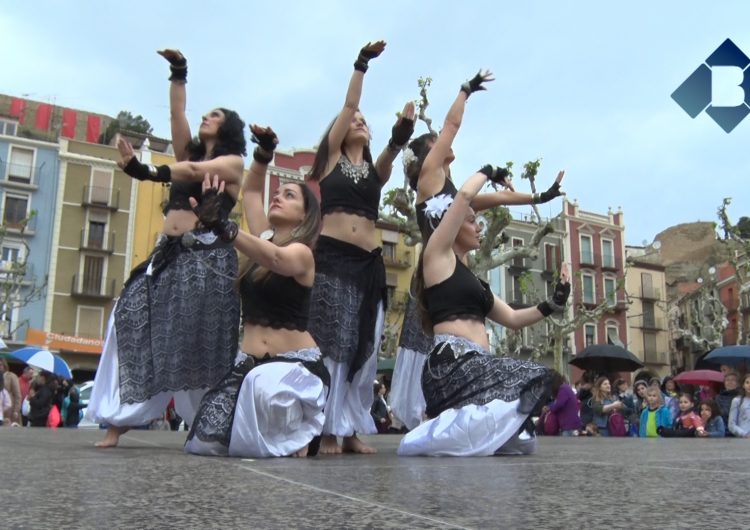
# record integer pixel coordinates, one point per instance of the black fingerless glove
(212, 216)
(178, 67)
(266, 141)
(556, 304)
(546, 196)
(361, 64)
(495, 174)
(473, 85)
(400, 133)
(140, 171)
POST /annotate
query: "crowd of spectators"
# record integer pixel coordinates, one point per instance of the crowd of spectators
(652, 408)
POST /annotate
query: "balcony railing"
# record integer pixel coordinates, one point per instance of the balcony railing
(650, 293)
(518, 264)
(587, 258)
(652, 323)
(19, 174)
(656, 357)
(101, 197)
(93, 287)
(609, 262)
(401, 262)
(104, 244)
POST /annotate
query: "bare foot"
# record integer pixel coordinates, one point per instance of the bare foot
(329, 445)
(352, 444)
(302, 453)
(112, 437)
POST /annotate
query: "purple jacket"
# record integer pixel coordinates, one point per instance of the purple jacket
(565, 408)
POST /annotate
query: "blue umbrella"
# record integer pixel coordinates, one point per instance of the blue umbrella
(44, 360)
(729, 355)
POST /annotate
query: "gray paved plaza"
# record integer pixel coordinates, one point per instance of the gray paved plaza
(57, 479)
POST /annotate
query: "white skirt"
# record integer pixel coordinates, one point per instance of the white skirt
(279, 411)
(347, 410)
(406, 397)
(105, 406)
(471, 430)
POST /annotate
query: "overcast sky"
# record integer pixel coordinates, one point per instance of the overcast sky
(585, 85)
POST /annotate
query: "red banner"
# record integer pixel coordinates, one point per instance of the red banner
(18, 109)
(43, 115)
(69, 123)
(93, 127)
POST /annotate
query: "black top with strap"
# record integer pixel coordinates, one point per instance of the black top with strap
(461, 296)
(274, 301)
(351, 189)
(180, 193)
(430, 212)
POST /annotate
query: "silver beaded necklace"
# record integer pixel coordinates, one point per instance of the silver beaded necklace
(355, 173)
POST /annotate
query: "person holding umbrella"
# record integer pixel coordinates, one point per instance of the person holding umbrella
(40, 400)
(727, 394)
(605, 404)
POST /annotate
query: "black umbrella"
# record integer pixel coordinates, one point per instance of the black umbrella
(606, 358)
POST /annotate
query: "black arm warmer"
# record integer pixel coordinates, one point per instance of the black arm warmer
(147, 171)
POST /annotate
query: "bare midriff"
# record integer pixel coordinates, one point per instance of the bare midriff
(177, 222)
(474, 330)
(350, 228)
(260, 340)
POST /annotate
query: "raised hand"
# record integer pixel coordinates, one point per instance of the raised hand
(404, 127)
(174, 57)
(264, 137)
(556, 303)
(368, 51)
(552, 192)
(177, 64)
(209, 212)
(266, 140)
(498, 175)
(475, 83)
(126, 152)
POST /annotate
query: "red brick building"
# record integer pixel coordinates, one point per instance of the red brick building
(596, 246)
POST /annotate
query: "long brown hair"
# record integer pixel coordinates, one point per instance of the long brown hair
(419, 288)
(306, 233)
(322, 154)
(596, 390)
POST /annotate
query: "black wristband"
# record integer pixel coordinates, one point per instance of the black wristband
(545, 309)
(360, 64)
(179, 71)
(137, 170)
(262, 156)
(229, 231)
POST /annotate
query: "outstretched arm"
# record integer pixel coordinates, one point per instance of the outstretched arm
(485, 201)
(254, 183)
(438, 253)
(351, 103)
(227, 167)
(400, 134)
(511, 318)
(177, 101)
(432, 177)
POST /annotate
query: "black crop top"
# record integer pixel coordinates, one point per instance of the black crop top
(274, 301)
(462, 296)
(180, 193)
(351, 189)
(431, 211)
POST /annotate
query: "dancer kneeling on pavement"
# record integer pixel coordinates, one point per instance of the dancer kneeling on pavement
(477, 402)
(271, 402)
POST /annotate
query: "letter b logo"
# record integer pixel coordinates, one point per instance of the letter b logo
(720, 86)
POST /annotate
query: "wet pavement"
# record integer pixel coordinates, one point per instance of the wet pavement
(57, 479)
